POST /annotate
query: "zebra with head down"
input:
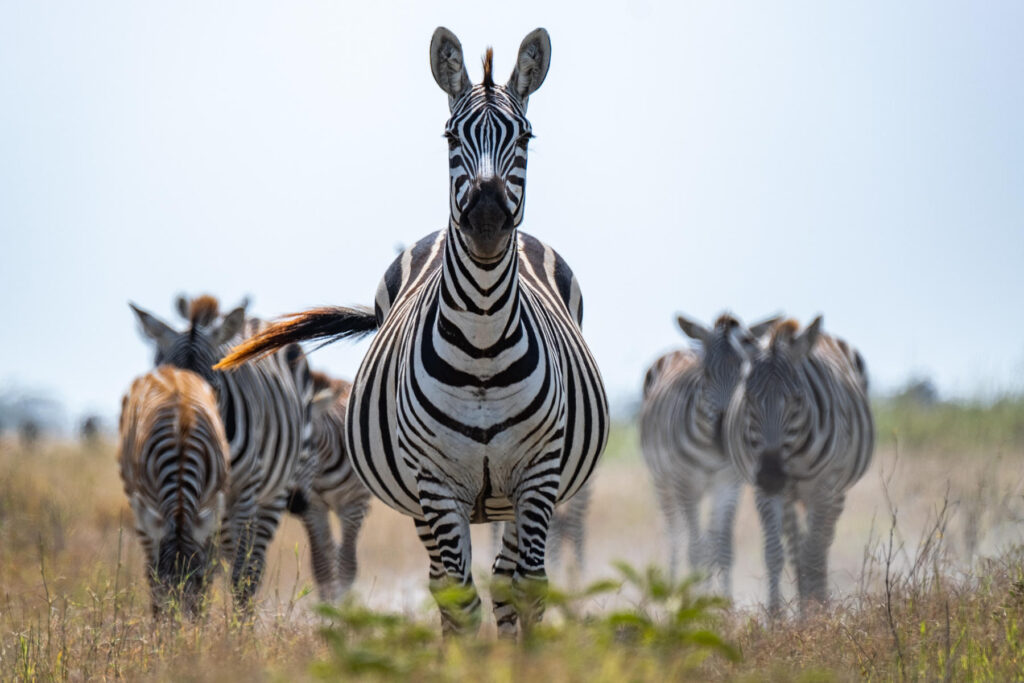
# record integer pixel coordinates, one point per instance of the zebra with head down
(174, 465)
(686, 393)
(799, 427)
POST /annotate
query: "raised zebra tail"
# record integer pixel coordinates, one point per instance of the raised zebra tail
(328, 323)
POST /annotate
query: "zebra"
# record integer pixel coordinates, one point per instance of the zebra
(265, 410)
(686, 392)
(478, 399)
(799, 427)
(336, 487)
(173, 459)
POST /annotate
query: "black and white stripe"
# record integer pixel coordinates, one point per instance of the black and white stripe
(173, 459)
(799, 427)
(478, 400)
(265, 410)
(335, 488)
(686, 393)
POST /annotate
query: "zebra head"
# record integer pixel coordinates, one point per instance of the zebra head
(197, 348)
(727, 347)
(775, 407)
(487, 139)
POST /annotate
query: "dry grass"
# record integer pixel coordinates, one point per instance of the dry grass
(927, 580)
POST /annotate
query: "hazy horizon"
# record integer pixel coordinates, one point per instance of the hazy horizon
(864, 162)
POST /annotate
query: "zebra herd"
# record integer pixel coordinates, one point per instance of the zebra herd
(478, 401)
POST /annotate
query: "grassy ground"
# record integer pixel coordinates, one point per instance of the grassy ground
(927, 579)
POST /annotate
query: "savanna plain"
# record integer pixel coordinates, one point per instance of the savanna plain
(927, 579)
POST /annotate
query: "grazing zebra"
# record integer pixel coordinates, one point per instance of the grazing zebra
(265, 410)
(336, 487)
(686, 393)
(174, 465)
(799, 428)
(478, 400)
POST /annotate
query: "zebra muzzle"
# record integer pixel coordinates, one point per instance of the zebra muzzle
(486, 216)
(771, 475)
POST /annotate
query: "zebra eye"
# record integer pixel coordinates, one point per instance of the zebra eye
(452, 138)
(524, 139)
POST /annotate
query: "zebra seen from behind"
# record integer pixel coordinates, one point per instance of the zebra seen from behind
(478, 400)
(335, 488)
(686, 393)
(799, 427)
(265, 412)
(173, 458)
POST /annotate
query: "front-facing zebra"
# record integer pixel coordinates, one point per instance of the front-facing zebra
(174, 466)
(478, 400)
(265, 410)
(686, 393)
(799, 428)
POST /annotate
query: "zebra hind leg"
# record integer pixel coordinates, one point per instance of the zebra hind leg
(321, 544)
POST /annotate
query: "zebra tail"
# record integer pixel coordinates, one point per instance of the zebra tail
(328, 323)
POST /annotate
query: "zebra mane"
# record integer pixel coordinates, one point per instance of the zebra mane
(727, 320)
(203, 310)
(488, 63)
(784, 333)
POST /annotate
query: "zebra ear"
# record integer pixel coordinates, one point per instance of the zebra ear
(693, 329)
(181, 303)
(531, 65)
(154, 328)
(232, 325)
(759, 329)
(447, 65)
(805, 341)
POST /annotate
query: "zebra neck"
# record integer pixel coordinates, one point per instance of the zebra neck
(478, 305)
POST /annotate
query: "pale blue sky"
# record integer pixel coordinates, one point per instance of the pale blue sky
(864, 160)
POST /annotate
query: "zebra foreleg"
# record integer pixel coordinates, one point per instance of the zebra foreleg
(533, 510)
(352, 517)
(793, 535)
(769, 509)
(322, 551)
(822, 515)
(673, 521)
(451, 582)
(251, 551)
(725, 497)
(503, 571)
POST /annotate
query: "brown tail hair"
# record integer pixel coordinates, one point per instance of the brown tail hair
(328, 323)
